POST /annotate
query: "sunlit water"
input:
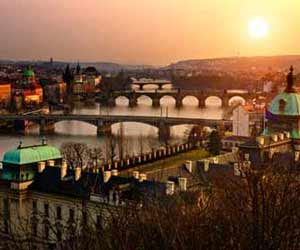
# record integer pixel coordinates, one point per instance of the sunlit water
(135, 133)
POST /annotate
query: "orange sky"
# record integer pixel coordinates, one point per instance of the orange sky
(144, 31)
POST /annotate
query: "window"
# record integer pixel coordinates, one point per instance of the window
(58, 213)
(46, 230)
(46, 209)
(5, 209)
(34, 207)
(84, 217)
(71, 215)
(282, 105)
(34, 227)
(98, 222)
(59, 234)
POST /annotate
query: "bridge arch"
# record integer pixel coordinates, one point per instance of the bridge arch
(122, 100)
(144, 99)
(135, 128)
(236, 98)
(75, 127)
(213, 101)
(167, 100)
(190, 100)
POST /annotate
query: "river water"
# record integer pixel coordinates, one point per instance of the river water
(135, 134)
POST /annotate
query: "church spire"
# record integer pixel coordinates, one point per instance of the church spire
(78, 69)
(290, 81)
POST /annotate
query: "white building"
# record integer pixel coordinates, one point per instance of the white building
(240, 122)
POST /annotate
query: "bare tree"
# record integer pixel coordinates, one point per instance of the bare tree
(76, 154)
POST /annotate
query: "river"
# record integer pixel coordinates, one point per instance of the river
(134, 133)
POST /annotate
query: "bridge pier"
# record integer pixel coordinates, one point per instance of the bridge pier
(201, 103)
(111, 102)
(132, 102)
(164, 132)
(155, 102)
(104, 129)
(46, 127)
(178, 103)
(20, 126)
(225, 102)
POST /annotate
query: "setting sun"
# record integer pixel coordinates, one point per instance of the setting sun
(258, 28)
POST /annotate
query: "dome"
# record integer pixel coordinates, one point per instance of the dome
(32, 154)
(28, 73)
(285, 104)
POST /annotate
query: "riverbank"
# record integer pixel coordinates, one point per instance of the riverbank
(169, 162)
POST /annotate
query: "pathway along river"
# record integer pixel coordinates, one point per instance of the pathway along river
(137, 136)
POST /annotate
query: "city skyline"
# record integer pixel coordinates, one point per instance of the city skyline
(145, 32)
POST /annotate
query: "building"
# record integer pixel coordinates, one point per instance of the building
(39, 190)
(282, 128)
(29, 89)
(247, 119)
(5, 94)
(240, 121)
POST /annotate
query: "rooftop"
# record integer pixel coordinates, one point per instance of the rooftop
(31, 154)
(28, 73)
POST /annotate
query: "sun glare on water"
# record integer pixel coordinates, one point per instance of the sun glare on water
(258, 28)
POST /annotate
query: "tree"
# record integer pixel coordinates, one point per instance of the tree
(110, 147)
(76, 154)
(68, 78)
(214, 143)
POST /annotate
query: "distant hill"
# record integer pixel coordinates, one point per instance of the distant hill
(113, 67)
(100, 66)
(240, 63)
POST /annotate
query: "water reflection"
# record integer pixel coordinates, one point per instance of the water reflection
(134, 132)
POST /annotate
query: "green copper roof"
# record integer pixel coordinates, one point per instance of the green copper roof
(291, 107)
(28, 73)
(26, 155)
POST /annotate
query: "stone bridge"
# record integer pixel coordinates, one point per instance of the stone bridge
(179, 95)
(158, 83)
(104, 122)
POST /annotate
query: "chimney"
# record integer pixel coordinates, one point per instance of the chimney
(114, 172)
(274, 137)
(189, 166)
(260, 140)
(206, 165)
(236, 169)
(247, 157)
(281, 136)
(297, 154)
(271, 152)
(287, 134)
(136, 174)
(170, 187)
(106, 176)
(182, 183)
(41, 166)
(63, 169)
(50, 163)
(143, 177)
(77, 173)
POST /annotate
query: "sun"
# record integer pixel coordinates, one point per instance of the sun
(258, 28)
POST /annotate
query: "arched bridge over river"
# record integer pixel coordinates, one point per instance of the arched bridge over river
(179, 95)
(104, 122)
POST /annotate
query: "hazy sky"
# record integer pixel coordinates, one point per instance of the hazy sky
(144, 31)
